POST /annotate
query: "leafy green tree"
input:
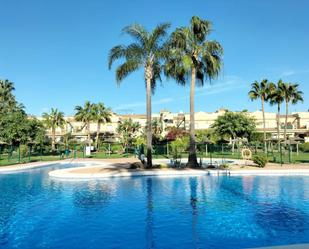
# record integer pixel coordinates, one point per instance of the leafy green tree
(86, 114)
(206, 136)
(36, 131)
(53, 120)
(128, 130)
(260, 90)
(146, 52)
(193, 55)
(234, 125)
(17, 128)
(291, 95)
(276, 98)
(101, 115)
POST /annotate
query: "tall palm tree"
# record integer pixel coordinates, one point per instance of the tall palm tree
(53, 120)
(193, 55)
(293, 95)
(86, 114)
(7, 99)
(260, 90)
(101, 115)
(146, 52)
(276, 98)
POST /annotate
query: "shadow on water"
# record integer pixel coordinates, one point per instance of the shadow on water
(272, 215)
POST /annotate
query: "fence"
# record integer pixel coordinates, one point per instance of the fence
(10, 154)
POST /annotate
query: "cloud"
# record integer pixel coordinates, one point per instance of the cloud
(226, 84)
(292, 72)
(288, 73)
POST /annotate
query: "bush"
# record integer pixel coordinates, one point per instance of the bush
(224, 166)
(116, 148)
(24, 150)
(304, 147)
(260, 160)
(179, 145)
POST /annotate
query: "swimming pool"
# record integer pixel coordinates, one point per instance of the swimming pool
(148, 212)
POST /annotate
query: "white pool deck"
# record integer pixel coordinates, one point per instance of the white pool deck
(298, 246)
(100, 169)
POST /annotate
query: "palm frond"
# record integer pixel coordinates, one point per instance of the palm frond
(115, 53)
(125, 69)
(200, 28)
(157, 35)
(137, 32)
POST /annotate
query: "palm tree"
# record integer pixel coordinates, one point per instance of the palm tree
(128, 129)
(260, 90)
(53, 120)
(101, 115)
(293, 95)
(276, 98)
(7, 99)
(86, 114)
(146, 52)
(193, 55)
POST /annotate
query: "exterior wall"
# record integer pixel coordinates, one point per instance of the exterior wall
(298, 123)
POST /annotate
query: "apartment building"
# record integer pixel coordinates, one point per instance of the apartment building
(298, 123)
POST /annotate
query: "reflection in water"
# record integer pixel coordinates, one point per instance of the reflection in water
(194, 205)
(279, 217)
(149, 215)
(181, 212)
(92, 195)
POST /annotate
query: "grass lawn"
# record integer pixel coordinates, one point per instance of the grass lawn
(272, 157)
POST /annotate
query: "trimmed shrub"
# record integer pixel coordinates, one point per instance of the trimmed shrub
(260, 160)
(304, 147)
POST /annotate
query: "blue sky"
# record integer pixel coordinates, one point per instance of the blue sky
(55, 51)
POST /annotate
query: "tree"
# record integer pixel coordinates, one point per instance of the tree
(86, 114)
(206, 136)
(260, 90)
(174, 133)
(17, 128)
(193, 55)
(276, 98)
(127, 130)
(293, 95)
(101, 115)
(36, 131)
(234, 125)
(53, 120)
(8, 101)
(146, 52)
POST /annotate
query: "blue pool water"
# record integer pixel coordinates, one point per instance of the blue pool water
(148, 212)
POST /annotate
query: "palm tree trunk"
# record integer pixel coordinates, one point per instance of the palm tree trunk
(286, 120)
(192, 160)
(264, 126)
(88, 134)
(148, 111)
(278, 126)
(97, 136)
(53, 138)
